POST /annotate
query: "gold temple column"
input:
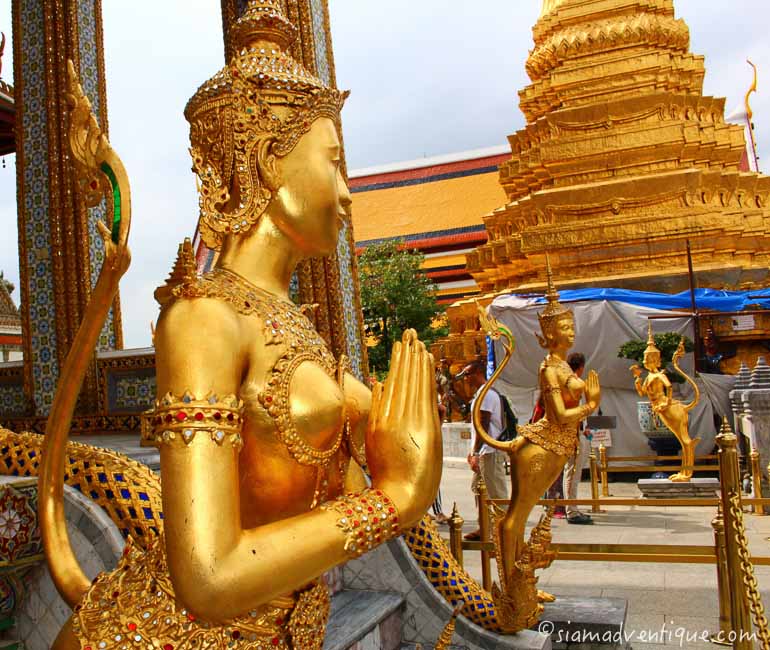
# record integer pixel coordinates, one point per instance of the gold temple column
(59, 248)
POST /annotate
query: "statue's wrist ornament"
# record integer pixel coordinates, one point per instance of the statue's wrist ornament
(180, 420)
(586, 410)
(367, 519)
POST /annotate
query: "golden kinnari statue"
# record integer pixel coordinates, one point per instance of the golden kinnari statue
(262, 432)
(675, 415)
(537, 457)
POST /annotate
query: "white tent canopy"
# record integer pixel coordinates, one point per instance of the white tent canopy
(601, 327)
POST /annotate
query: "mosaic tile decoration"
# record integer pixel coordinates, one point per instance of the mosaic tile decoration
(89, 78)
(36, 201)
(348, 293)
(12, 400)
(131, 392)
(318, 14)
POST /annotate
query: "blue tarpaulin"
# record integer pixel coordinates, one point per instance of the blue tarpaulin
(704, 298)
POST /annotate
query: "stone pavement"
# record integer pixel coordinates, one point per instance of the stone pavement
(667, 602)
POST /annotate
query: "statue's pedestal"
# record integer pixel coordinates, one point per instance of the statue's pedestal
(586, 623)
(662, 488)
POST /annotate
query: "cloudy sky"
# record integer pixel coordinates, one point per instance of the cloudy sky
(428, 78)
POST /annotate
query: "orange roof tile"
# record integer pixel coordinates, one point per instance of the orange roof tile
(426, 207)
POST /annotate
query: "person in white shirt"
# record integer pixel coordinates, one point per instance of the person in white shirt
(574, 467)
(483, 460)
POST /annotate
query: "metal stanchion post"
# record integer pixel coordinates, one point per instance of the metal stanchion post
(731, 486)
(723, 582)
(456, 535)
(486, 568)
(756, 481)
(603, 468)
(594, 482)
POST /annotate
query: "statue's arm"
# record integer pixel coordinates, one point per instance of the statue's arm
(219, 569)
(640, 387)
(553, 398)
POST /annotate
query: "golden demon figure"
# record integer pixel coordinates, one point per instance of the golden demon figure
(675, 415)
(261, 431)
(537, 456)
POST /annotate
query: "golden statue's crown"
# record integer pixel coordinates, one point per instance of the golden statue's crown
(263, 95)
(651, 347)
(554, 311)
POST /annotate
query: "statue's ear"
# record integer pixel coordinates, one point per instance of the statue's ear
(543, 343)
(267, 165)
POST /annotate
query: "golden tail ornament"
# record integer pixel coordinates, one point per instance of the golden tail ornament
(675, 362)
(445, 640)
(99, 170)
(495, 330)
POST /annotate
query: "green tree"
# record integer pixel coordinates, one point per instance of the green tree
(396, 295)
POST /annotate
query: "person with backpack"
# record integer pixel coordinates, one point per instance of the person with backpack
(486, 462)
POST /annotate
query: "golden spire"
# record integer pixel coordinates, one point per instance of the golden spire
(554, 310)
(651, 347)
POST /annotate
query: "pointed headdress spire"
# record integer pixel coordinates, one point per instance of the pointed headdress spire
(554, 310)
(651, 347)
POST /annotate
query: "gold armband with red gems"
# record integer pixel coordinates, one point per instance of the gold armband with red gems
(180, 420)
(367, 519)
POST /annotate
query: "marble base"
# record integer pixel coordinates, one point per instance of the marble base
(576, 623)
(662, 488)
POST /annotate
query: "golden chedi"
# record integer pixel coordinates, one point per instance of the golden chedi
(262, 432)
(622, 160)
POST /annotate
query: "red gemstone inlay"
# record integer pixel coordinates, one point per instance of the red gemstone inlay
(168, 646)
(181, 416)
(356, 524)
(94, 185)
(391, 510)
(190, 617)
(217, 416)
(236, 634)
(132, 626)
(169, 417)
(275, 640)
(115, 594)
(350, 513)
(199, 416)
(230, 417)
(279, 621)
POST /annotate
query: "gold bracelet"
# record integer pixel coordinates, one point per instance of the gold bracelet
(367, 519)
(585, 411)
(184, 418)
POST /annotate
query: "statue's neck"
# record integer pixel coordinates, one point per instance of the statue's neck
(264, 256)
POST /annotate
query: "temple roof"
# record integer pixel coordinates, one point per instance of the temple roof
(422, 199)
(9, 314)
(7, 119)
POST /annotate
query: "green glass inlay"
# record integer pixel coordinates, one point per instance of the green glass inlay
(116, 201)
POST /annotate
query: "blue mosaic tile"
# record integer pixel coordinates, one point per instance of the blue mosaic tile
(12, 400)
(349, 310)
(318, 14)
(89, 78)
(36, 201)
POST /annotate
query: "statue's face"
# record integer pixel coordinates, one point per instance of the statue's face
(313, 199)
(564, 333)
(652, 361)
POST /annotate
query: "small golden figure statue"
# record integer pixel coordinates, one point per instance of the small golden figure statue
(262, 432)
(675, 415)
(537, 455)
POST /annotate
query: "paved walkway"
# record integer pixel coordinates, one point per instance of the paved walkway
(667, 602)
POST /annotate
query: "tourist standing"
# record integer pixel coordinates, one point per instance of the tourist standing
(574, 467)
